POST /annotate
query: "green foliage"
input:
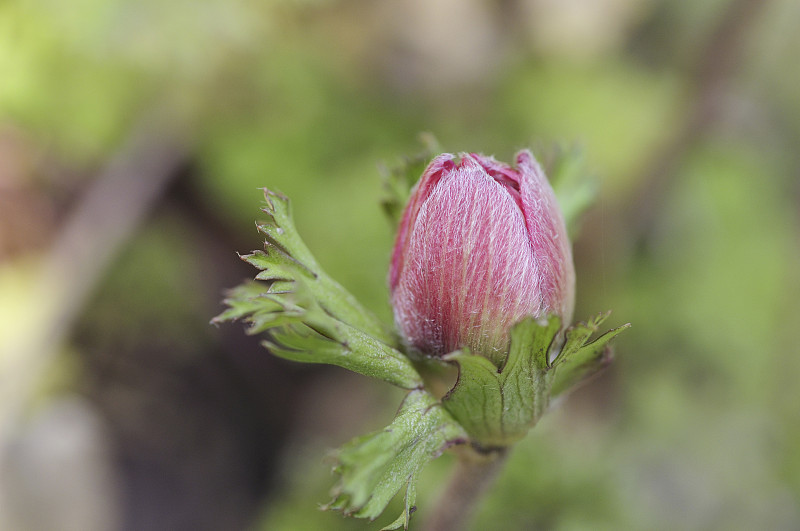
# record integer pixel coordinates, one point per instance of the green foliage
(580, 359)
(374, 467)
(498, 407)
(308, 315)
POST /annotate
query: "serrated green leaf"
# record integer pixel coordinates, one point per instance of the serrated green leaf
(276, 264)
(375, 467)
(286, 257)
(241, 301)
(281, 230)
(307, 315)
(346, 347)
(268, 310)
(409, 507)
(281, 287)
(580, 360)
(577, 335)
(302, 331)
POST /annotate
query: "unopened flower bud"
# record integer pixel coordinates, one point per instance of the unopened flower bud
(481, 245)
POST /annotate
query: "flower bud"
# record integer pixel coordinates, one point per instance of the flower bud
(481, 245)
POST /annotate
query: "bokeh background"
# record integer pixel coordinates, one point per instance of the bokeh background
(134, 138)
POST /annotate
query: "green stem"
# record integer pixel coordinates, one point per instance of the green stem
(472, 478)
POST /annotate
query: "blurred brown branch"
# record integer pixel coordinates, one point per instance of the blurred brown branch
(717, 65)
(102, 220)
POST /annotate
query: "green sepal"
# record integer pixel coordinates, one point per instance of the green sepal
(498, 406)
(580, 359)
(373, 468)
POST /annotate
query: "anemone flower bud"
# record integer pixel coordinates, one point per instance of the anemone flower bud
(481, 245)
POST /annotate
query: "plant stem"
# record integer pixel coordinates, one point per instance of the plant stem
(473, 476)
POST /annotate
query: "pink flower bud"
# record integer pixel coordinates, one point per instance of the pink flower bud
(481, 245)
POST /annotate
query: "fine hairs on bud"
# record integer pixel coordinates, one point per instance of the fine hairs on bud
(481, 246)
(469, 251)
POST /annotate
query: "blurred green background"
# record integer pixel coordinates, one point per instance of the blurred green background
(134, 137)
